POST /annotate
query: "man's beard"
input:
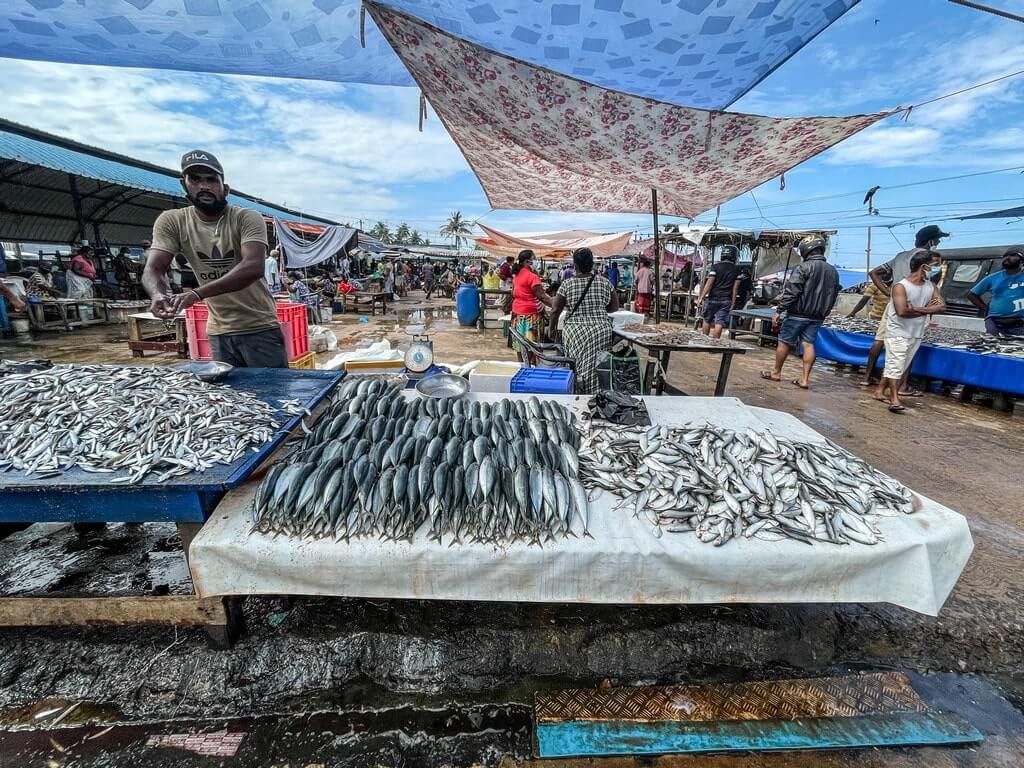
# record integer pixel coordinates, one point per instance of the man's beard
(210, 208)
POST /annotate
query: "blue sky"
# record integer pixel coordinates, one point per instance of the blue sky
(353, 152)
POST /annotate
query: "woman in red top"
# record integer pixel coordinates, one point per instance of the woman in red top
(527, 297)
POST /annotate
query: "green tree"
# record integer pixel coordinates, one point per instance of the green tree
(456, 228)
(415, 238)
(402, 234)
(381, 232)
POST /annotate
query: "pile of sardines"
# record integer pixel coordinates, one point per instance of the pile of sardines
(383, 465)
(950, 338)
(722, 484)
(127, 421)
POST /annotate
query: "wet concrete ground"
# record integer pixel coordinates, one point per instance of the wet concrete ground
(401, 657)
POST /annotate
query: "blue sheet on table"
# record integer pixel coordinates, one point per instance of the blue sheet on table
(84, 496)
(999, 373)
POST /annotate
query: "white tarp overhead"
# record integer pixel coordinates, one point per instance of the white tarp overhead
(299, 253)
(915, 567)
(502, 244)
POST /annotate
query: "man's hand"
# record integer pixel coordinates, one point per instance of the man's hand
(163, 307)
(776, 320)
(183, 301)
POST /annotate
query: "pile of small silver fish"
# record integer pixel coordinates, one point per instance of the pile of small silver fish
(949, 338)
(722, 484)
(380, 464)
(666, 335)
(132, 420)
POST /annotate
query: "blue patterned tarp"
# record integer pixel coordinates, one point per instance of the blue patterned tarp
(701, 53)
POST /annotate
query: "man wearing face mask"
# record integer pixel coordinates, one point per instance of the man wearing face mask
(226, 246)
(1004, 313)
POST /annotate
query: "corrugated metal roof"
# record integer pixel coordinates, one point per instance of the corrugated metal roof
(27, 146)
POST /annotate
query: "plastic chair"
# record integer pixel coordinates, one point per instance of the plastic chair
(551, 354)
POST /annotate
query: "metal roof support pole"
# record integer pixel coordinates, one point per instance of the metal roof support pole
(76, 200)
(657, 259)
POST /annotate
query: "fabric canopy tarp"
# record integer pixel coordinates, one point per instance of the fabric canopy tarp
(501, 244)
(691, 51)
(1005, 213)
(299, 253)
(538, 140)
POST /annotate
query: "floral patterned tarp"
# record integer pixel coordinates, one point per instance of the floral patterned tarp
(538, 140)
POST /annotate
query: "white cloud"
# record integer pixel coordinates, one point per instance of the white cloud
(889, 145)
(340, 151)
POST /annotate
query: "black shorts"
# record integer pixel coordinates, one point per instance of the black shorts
(262, 349)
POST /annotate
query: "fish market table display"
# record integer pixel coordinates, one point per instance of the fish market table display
(661, 341)
(98, 443)
(760, 324)
(947, 354)
(71, 313)
(392, 495)
(121, 443)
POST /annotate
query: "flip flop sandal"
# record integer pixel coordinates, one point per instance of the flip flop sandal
(912, 393)
(802, 386)
(767, 376)
(897, 408)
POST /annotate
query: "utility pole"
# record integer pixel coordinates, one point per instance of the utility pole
(657, 258)
(867, 254)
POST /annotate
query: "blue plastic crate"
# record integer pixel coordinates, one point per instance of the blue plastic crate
(544, 381)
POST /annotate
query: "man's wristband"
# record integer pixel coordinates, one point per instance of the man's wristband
(197, 294)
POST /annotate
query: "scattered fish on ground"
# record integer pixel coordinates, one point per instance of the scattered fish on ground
(131, 421)
(949, 338)
(377, 463)
(667, 335)
(722, 484)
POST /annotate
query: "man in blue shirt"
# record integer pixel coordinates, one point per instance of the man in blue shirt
(1004, 313)
(613, 274)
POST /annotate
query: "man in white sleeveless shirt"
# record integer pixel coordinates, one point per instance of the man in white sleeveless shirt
(914, 298)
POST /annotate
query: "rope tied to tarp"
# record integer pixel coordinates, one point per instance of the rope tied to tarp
(362, 25)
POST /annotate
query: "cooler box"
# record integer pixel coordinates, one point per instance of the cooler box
(544, 381)
(493, 376)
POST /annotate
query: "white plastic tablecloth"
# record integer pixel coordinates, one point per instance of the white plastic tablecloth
(915, 567)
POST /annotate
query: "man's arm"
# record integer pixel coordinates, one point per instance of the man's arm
(708, 285)
(156, 284)
(974, 295)
(903, 309)
(860, 305)
(793, 290)
(880, 276)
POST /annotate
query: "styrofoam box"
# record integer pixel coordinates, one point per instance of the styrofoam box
(493, 376)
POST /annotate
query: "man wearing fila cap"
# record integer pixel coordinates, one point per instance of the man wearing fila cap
(226, 246)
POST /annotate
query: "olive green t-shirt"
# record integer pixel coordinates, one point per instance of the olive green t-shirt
(212, 250)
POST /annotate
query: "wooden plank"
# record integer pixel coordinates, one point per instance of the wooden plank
(181, 610)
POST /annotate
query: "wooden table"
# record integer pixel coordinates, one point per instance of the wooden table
(188, 500)
(65, 309)
(759, 316)
(662, 353)
(174, 339)
(376, 298)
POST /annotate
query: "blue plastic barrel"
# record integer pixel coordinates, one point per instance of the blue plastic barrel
(467, 304)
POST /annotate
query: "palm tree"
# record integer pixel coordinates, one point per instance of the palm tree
(381, 232)
(456, 228)
(402, 233)
(415, 238)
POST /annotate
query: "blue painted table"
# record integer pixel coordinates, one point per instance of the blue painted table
(78, 496)
(999, 373)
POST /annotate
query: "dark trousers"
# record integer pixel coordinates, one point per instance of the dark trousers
(262, 349)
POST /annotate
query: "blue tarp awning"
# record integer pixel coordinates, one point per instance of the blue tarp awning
(701, 53)
(1005, 213)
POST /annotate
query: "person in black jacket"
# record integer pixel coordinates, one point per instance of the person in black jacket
(806, 301)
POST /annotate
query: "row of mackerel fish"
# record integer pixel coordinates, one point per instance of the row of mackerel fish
(379, 464)
(723, 484)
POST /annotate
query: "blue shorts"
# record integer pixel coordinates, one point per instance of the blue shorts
(797, 329)
(716, 311)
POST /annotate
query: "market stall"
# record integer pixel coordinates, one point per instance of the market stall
(999, 373)
(621, 558)
(661, 344)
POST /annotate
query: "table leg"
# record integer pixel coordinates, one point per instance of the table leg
(134, 335)
(723, 374)
(664, 357)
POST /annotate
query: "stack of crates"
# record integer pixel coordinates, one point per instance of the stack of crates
(294, 327)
